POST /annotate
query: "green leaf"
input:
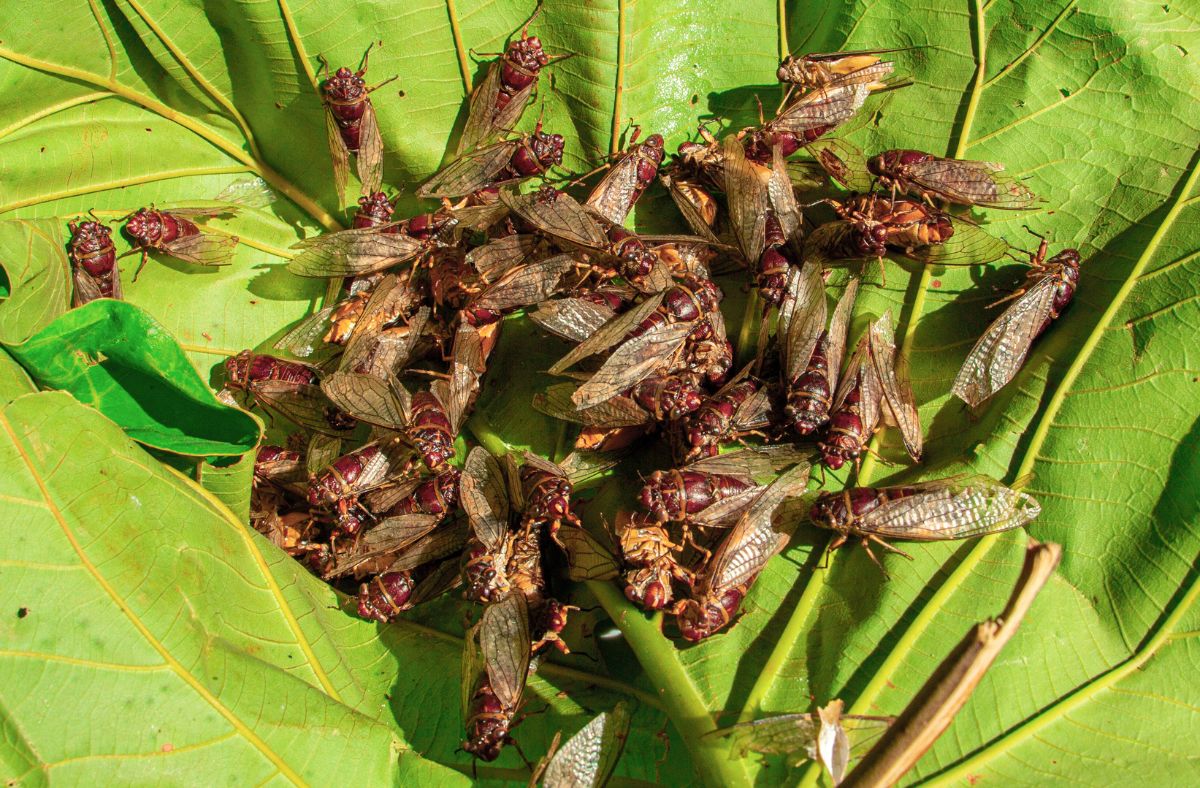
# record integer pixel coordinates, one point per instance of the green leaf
(127, 103)
(39, 277)
(114, 356)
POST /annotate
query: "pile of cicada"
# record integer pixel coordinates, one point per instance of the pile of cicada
(374, 495)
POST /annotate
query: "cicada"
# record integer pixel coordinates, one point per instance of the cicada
(956, 181)
(288, 388)
(495, 669)
(175, 233)
(490, 167)
(810, 356)
(957, 507)
(497, 103)
(373, 243)
(875, 384)
(387, 595)
(351, 475)
(1048, 289)
(827, 736)
(737, 561)
(651, 561)
(93, 263)
(741, 407)
(830, 69)
(351, 126)
(632, 173)
(588, 758)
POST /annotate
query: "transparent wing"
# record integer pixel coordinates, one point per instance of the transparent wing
(339, 154)
(1002, 348)
(752, 542)
(444, 577)
(484, 121)
(308, 336)
(972, 183)
(528, 284)
(469, 173)
(612, 333)
(353, 252)
(388, 536)
(958, 510)
(571, 318)
(560, 217)
(826, 107)
(801, 318)
(587, 559)
(504, 640)
(616, 412)
(203, 248)
(839, 330)
(495, 257)
(783, 197)
(483, 492)
(613, 196)
(369, 160)
(748, 199)
(588, 758)
(842, 161)
(970, 245)
(892, 374)
(632, 362)
(445, 540)
(383, 403)
(301, 403)
(752, 462)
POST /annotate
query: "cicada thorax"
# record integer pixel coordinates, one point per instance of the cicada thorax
(430, 431)
(346, 96)
(93, 253)
(385, 596)
(547, 499)
(537, 153)
(1064, 268)
(901, 223)
(152, 229)
(847, 436)
(676, 495)
(488, 723)
(688, 301)
(712, 423)
(701, 617)
(437, 496)
(810, 395)
(523, 61)
(249, 367)
(666, 397)
(374, 209)
(637, 261)
(548, 623)
(649, 158)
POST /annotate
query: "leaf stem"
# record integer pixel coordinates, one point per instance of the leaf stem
(681, 698)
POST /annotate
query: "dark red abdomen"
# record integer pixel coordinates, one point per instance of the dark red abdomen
(430, 430)
(385, 597)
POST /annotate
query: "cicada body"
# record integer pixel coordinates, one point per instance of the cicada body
(173, 233)
(288, 388)
(495, 669)
(93, 263)
(955, 181)
(480, 173)
(351, 126)
(632, 173)
(999, 353)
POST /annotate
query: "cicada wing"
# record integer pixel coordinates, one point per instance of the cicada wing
(556, 402)
(503, 254)
(474, 668)
(972, 183)
(746, 194)
(824, 107)
(831, 245)
(587, 559)
(391, 535)
(588, 758)
(571, 318)
(470, 173)
(339, 154)
(1001, 350)
(970, 245)
(870, 75)
(892, 374)
(783, 734)
(839, 330)
(610, 334)
(383, 403)
(782, 197)
(752, 462)
(632, 362)
(484, 121)
(528, 284)
(444, 577)
(307, 337)
(301, 403)
(321, 452)
(369, 160)
(204, 248)
(754, 412)
(583, 466)
(87, 289)
(953, 511)
(559, 216)
(658, 280)
(483, 492)
(353, 253)
(467, 366)
(504, 639)
(841, 161)
(389, 299)
(801, 318)
(251, 192)
(753, 541)
(447, 540)
(614, 195)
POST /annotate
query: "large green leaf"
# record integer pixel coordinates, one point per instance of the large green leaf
(109, 106)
